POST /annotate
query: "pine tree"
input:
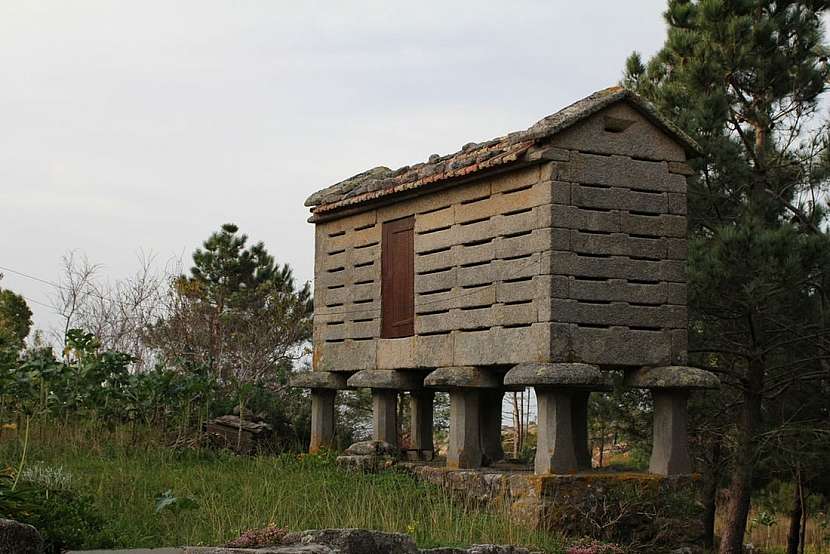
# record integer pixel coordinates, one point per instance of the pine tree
(238, 314)
(744, 77)
(15, 323)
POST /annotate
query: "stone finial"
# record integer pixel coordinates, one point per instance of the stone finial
(318, 380)
(559, 375)
(672, 377)
(386, 379)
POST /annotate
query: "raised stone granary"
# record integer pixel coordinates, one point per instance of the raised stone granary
(560, 245)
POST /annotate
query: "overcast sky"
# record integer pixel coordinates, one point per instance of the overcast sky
(128, 126)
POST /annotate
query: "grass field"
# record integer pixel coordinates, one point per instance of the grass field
(238, 493)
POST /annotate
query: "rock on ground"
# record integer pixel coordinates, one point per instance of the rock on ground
(19, 538)
(353, 541)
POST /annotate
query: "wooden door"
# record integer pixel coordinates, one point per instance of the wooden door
(398, 278)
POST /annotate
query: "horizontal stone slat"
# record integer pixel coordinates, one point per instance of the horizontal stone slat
(621, 171)
(618, 314)
(572, 217)
(617, 198)
(618, 290)
(616, 267)
(618, 244)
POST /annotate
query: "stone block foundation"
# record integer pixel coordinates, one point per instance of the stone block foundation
(649, 512)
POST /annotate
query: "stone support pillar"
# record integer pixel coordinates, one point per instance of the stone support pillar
(420, 415)
(465, 385)
(579, 418)
(562, 392)
(490, 425)
(555, 447)
(385, 415)
(670, 387)
(464, 449)
(322, 419)
(324, 386)
(670, 449)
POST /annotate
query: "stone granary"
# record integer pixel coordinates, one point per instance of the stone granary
(543, 258)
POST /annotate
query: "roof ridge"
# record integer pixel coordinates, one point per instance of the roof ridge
(473, 157)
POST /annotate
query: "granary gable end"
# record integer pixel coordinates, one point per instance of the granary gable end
(564, 242)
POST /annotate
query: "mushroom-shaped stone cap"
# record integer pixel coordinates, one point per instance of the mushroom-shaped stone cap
(559, 375)
(386, 379)
(672, 377)
(318, 380)
(462, 377)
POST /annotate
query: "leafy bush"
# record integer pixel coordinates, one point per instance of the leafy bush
(64, 518)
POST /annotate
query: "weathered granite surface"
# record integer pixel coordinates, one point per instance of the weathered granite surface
(672, 377)
(465, 377)
(19, 538)
(353, 541)
(386, 379)
(473, 157)
(318, 380)
(559, 375)
(656, 514)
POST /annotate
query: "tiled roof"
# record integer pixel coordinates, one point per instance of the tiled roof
(475, 157)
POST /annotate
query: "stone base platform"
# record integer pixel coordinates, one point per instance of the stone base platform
(649, 512)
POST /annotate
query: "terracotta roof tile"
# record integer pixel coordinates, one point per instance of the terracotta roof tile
(474, 157)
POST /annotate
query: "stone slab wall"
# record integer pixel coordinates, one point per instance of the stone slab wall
(648, 513)
(577, 259)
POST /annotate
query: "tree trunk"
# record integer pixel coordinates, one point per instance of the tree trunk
(710, 495)
(794, 534)
(740, 487)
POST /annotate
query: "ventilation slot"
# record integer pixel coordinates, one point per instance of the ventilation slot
(517, 257)
(519, 189)
(478, 242)
(617, 124)
(519, 279)
(436, 230)
(333, 341)
(364, 282)
(365, 264)
(642, 213)
(336, 252)
(364, 301)
(434, 271)
(517, 234)
(367, 245)
(433, 333)
(474, 221)
(432, 292)
(433, 210)
(518, 302)
(334, 287)
(364, 227)
(517, 326)
(474, 200)
(475, 264)
(518, 212)
(434, 312)
(337, 234)
(336, 269)
(435, 251)
(593, 326)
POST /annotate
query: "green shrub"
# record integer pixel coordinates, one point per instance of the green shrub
(64, 518)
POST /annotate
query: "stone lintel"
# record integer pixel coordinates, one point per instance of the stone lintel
(672, 377)
(318, 380)
(463, 377)
(559, 375)
(386, 379)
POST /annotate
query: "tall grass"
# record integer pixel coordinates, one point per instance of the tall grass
(238, 493)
